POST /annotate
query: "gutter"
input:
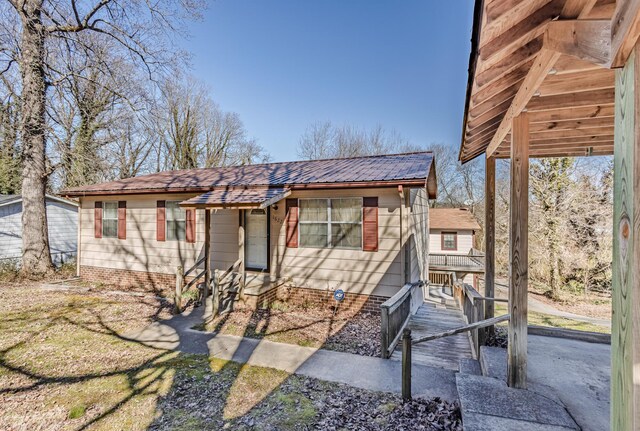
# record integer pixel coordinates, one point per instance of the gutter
(473, 60)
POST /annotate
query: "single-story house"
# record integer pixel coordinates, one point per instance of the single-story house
(452, 231)
(304, 228)
(62, 223)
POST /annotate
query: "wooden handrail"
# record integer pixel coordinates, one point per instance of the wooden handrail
(408, 342)
(465, 328)
(195, 265)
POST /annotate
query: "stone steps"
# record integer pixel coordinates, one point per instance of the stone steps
(488, 404)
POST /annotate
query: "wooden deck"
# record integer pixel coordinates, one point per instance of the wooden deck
(432, 317)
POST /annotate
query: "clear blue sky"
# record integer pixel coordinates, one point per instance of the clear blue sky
(284, 64)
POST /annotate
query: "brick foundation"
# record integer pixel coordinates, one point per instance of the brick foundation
(353, 302)
(152, 281)
(165, 283)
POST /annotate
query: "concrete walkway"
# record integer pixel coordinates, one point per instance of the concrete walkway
(359, 371)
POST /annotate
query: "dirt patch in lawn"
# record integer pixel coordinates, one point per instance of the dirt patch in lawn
(242, 397)
(64, 365)
(594, 305)
(344, 331)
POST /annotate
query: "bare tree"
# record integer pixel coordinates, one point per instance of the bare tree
(142, 32)
(194, 131)
(324, 140)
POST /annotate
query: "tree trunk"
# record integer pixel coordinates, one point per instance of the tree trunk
(36, 258)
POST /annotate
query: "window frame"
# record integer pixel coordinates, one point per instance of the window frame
(166, 221)
(104, 218)
(455, 240)
(329, 222)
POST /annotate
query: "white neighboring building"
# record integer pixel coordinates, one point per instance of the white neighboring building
(62, 221)
(452, 231)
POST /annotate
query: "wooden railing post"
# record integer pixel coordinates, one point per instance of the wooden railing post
(384, 331)
(406, 364)
(177, 300)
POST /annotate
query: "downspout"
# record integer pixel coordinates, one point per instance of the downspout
(79, 238)
(403, 275)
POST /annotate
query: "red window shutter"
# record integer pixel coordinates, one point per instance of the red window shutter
(161, 218)
(292, 223)
(122, 219)
(191, 225)
(370, 224)
(97, 220)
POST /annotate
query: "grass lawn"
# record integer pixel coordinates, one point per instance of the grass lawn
(64, 365)
(556, 322)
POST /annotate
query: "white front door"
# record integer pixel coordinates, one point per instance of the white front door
(256, 241)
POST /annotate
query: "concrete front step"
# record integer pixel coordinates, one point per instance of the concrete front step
(470, 366)
(487, 404)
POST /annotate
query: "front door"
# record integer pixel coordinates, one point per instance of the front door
(256, 239)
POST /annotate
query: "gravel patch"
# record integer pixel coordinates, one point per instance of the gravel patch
(500, 338)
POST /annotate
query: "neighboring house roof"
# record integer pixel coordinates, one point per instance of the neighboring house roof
(386, 170)
(12, 199)
(452, 218)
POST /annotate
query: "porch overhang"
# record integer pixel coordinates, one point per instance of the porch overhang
(238, 198)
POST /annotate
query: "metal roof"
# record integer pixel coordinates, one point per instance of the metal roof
(395, 169)
(238, 198)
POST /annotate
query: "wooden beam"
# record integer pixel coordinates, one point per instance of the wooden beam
(577, 8)
(587, 123)
(584, 98)
(491, 71)
(489, 239)
(541, 67)
(625, 325)
(625, 30)
(518, 254)
(575, 82)
(584, 39)
(572, 113)
(207, 257)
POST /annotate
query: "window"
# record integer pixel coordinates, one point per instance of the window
(449, 241)
(110, 220)
(176, 221)
(331, 223)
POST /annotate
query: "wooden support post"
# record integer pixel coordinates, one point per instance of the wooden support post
(384, 331)
(518, 256)
(406, 364)
(489, 240)
(241, 252)
(625, 325)
(207, 256)
(177, 300)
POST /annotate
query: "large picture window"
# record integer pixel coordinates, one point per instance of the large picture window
(110, 220)
(176, 221)
(331, 223)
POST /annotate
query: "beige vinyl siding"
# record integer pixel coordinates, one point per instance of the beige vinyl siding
(419, 247)
(140, 251)
(356, 271)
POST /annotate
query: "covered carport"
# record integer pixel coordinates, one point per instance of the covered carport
(551, 79)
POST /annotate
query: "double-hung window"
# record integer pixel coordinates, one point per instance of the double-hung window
(110, 220)
(333, 223)
(176, 221)
(449, 241)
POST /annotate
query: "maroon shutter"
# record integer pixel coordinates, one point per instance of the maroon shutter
(97, 220)
(370, 224)
(191, 225)
(122, 219)
(292, 223)
(161, 219)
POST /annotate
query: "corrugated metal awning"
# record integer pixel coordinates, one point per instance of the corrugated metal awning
(238, 198)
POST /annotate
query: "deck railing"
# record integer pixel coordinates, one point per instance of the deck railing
(395, 314)
(474, 260)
